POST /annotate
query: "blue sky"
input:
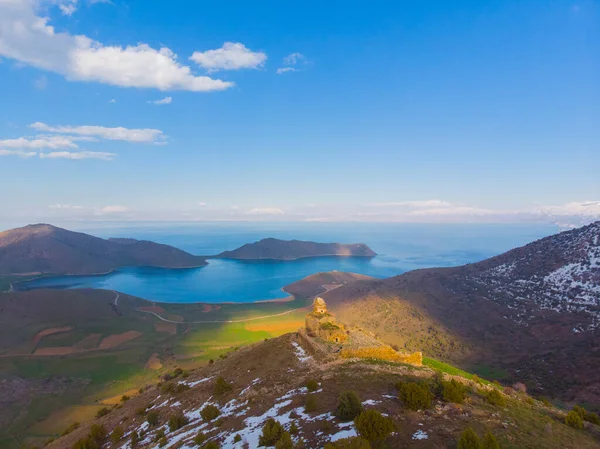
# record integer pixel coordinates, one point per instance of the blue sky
(318, 111)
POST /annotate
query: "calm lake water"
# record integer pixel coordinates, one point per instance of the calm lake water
(400, 248)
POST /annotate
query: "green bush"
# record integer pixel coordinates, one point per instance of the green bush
(135, 439)
(152, 418)
(219, 422)
(349, 443)
(125, 398)
(162, 442)
(453, 391)
(312, 385)
(573, 419)
(209, 412)
(490, 441)
(221, 386)
(116, 434)
(176, 422)
(469, 440)
(311, 404)
(271, 433)
(415, 396)
(211, 445)
(86, 443)
(593, 418)
(285, 442)
(293, 429)
(373, 426)
(579, 410)
(160, 433)
(494, 397)
(200, 438)
(237, 438)
(349, 406)
(102, 412)
(141, 411)
(98, 433)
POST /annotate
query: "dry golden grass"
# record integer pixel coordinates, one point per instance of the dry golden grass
(275, 328)
(154, 362)
(50, 331)
(112, 341)
(382, 353)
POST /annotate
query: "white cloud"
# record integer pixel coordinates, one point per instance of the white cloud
(113, 209)
(67, 7)
(265, 211)
(112, 101)
(126, 134)
(202, 204)
(79, 155)
(294, 58)
(19, 153)
(231, 56)
(166, 100)
(39, 143)
(65, 207)
(28, 38)
(415, 204)
(282, 70)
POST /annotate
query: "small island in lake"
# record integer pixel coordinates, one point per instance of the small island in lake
(275, 249)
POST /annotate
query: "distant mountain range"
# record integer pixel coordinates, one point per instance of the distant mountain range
(533, 312)
(275, 249)
(46, 249)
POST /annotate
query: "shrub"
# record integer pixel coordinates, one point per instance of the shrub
(349, 406)
(271, 433)
(125, 398)
(70, 429)
(469, 440)
(98, 433)
(349, 443)
(373, 426)
(285, 442)
(293, 429)
(135, 439)
(453, 391)
(219, 422)
(167, 388)
(211, 445)
(490, 441)
(477, 380)
(494, 397)
(574, 420)
(102, 412)
(237, 438)
(116, 434)
(415, 396)
(162, 442)
(312, 385)
(180, 388)
(209, 412)
(141, 411)
(544, 400)
(86, 443)
(200, 438)
(579, 410)
(176, 422)
(311, 403)
(593, 418)
(152, 418)
(221, 386)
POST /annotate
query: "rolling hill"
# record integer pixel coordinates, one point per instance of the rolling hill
(275, 249)
(530, 314)
(46, 249)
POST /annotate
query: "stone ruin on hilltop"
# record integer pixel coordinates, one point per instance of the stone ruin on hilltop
(322, 327)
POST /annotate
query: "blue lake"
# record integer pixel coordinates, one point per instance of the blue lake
(400, 248)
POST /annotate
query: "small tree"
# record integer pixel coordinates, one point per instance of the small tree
(469, 440)
(135, 438)
(311, 404)
(209, 412)
(211, 445)
(414, 395)
(579, 410)
(494, 397)
(152, 418)
(221, 386)
(574, 420)
(177, 421)
(293, 429)
(271, 433)
(199, 439)
(237, 438)
(453, 391)
(593, 418)
(349, 443)
(98, 433)
(373, 426)
(490, 441)
(102, 412)
(116, 434)
(349, 406)
(285, 442)
(312, 385)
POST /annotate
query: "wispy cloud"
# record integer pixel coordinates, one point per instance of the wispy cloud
(79, 58)
(281, 70)
(146, 135)
(166, 100)
(65, 207)
(291, 61)
(231, 56)
(265, 211)
(79, 155)
(41, 82)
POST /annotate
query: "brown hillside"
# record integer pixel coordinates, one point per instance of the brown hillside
(47, 249)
